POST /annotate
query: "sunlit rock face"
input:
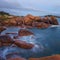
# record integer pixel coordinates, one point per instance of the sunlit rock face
(30, 16)
(29, 19)
(55, 57)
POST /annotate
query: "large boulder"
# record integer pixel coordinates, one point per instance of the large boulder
(31, 16)
(23, 44)
(24, 32)
(53, 20)
(5, 40)
(27, 21)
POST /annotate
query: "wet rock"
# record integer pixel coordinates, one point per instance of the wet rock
(53, 20)
(5, 40)
(24, 32)
(17, 58)
(23, 44)
(55, 57)
(42, 25)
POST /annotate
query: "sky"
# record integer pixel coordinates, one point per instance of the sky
(41, 6)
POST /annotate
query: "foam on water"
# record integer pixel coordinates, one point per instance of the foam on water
(55, 26)
(43, 39)
(28, 39)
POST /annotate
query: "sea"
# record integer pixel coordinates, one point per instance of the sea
(46, 41)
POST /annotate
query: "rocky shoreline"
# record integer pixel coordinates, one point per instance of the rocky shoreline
(28, 21)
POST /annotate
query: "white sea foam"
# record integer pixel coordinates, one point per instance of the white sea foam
(55, 26)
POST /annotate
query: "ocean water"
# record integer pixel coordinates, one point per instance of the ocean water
(46, 41)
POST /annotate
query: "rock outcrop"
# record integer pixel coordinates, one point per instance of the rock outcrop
(5, 40)
(53, 20)
(24, 32)
(28, 21)
(42, 25)
(23, 44)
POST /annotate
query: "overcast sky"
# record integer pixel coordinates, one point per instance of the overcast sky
(43, 5)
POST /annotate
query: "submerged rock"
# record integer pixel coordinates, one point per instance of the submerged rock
(24, 32)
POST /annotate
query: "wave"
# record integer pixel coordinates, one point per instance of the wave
(55, 26)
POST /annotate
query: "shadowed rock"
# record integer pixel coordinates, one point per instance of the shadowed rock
(53, 20)
(42, 25)
(5, 40)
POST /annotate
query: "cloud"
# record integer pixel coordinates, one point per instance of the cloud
(9, 4)
(45, 5)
